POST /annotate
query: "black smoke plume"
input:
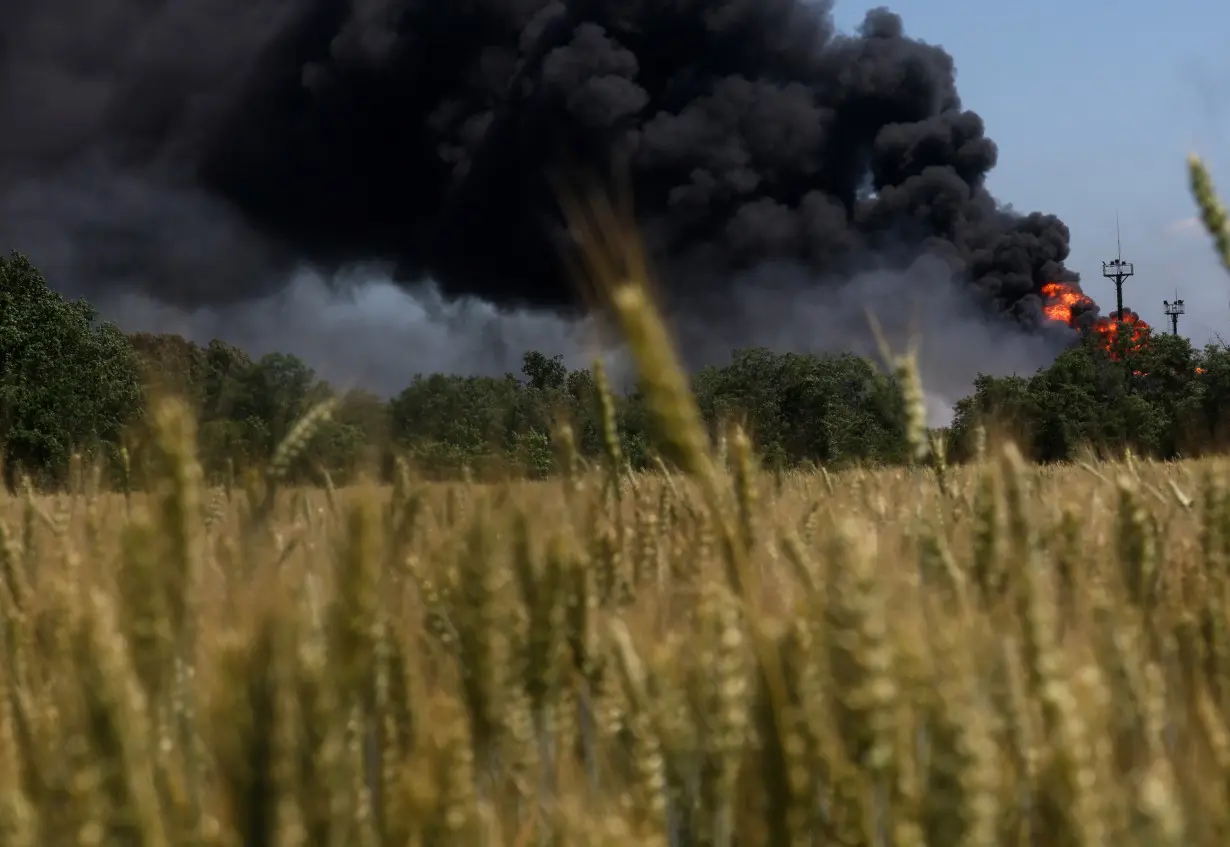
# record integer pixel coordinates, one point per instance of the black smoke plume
(199, 151)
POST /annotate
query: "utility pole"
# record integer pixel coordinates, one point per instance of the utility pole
(1173, 310)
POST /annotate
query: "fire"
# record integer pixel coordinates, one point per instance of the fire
(1062, 301)
(1136, 332)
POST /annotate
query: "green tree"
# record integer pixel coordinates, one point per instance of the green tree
(170, 363)
(835, 409)
(356, 440)
(1087, 400)
(67, 381)
(447, 422)
(226, 380)
(543, 373)
(277, 390)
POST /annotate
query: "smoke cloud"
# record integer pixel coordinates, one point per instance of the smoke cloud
(202, 154)
(923, 307)
(360, 333)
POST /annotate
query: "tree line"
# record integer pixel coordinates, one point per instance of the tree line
(74, 386)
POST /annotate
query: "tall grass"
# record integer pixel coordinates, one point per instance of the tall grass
(995, 654)
(1212, 212)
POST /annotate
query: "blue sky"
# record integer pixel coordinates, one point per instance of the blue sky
(1095, 105)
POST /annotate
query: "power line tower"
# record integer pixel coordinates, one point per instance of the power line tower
(1173, 310)
(1118, 271)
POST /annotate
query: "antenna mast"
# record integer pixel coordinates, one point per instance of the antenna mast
(1173, 310)
(1118, 271)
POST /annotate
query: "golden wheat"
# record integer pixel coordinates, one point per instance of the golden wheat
(1027, 655)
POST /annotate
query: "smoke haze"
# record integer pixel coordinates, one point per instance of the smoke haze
(378, 336)
(375, 334)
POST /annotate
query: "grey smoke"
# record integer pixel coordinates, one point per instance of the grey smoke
(784, 309)
(364, 331)
(100, 232)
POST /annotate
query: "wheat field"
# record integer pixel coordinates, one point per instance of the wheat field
(988, 655)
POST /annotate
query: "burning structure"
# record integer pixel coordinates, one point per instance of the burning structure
(1119, 333)
(1068, 305)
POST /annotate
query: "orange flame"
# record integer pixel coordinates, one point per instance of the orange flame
(1063, 299)
(1136, 333)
